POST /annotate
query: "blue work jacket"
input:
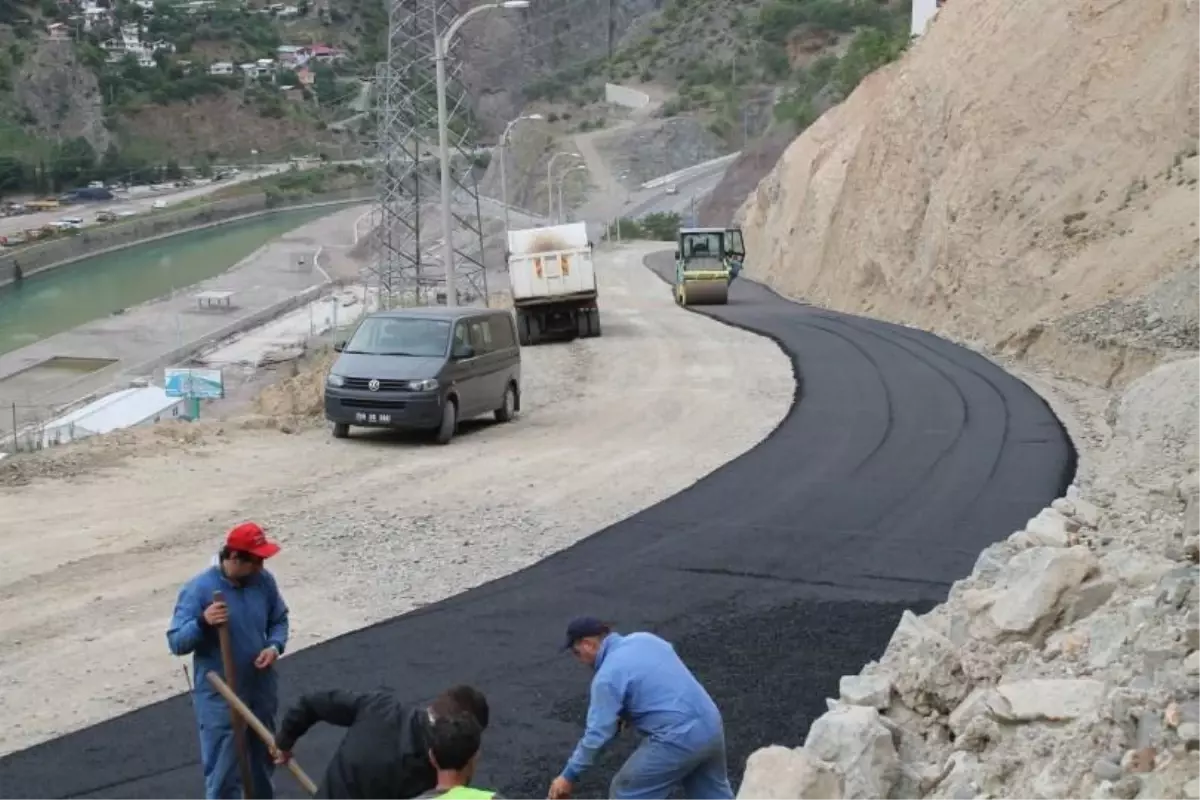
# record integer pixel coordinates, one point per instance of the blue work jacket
(640, 676)
(258, 618)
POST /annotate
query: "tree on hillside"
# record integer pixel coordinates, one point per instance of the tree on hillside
(73, 162)
(12, 174)
(325, 84)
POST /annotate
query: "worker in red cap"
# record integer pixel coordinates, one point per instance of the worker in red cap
(257, 619)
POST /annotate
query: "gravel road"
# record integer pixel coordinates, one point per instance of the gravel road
(374, 526)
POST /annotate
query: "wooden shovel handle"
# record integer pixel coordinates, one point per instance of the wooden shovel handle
(239, 727)
(256, 725)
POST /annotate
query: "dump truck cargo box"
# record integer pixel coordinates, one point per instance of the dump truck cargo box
(550, 264)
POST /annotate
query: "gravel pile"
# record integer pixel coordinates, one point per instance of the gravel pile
(1165, 317)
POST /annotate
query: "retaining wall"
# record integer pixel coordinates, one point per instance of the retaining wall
(94, 241)
(624, 96)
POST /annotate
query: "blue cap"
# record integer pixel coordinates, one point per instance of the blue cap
(583, 627)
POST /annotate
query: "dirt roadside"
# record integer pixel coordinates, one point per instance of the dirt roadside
(93, 563)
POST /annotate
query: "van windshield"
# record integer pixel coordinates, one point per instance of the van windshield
(400, 336)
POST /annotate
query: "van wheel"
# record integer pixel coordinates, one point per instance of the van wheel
(449, 426)
(340, 430)
(505, 412)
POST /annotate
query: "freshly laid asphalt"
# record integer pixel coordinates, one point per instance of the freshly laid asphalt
(902, 458)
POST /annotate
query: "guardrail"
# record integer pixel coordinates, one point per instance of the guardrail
(689, 171)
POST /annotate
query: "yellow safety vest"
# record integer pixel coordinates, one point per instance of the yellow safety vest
(466, 793)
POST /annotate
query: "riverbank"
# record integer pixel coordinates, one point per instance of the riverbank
(102, 240)
(282, 275)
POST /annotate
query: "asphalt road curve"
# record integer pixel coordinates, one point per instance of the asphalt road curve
(904, 456)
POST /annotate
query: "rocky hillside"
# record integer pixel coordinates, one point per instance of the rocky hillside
(1024, 180)
(1044, 206)
(110, 90)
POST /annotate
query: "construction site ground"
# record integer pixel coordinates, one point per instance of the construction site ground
(774, 574)
(368, 525)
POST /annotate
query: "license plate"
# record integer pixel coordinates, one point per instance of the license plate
(363, 416)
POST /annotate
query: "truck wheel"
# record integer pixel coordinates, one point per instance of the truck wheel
(449, 426)
(505, 412)
(341, 430)
(582, 325)
(593, 315)
(535, 329)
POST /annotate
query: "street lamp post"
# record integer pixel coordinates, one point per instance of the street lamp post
(503, 178)
(550, 182)
(562, 216)
(441, 47)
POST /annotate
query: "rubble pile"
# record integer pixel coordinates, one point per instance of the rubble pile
(1061, 667)
(1066, 665)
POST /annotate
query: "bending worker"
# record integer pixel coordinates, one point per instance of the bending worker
(257, 619)
(640, 677)
(385, 752)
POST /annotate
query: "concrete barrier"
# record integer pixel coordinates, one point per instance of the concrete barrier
(687, 172)
(110, 238)
(624, 96)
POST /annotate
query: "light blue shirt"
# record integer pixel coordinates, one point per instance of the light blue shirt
(640, 676)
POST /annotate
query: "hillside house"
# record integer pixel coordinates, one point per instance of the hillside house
(58, 32)
(292, 55)
(221, 68)
(325, 54)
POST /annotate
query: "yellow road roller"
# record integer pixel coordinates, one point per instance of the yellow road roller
(706, 262)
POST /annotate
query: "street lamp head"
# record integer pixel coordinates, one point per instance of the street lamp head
(515, 4)
(535, 116)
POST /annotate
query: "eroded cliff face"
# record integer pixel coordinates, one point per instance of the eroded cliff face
(504, 51)
(1024, 179)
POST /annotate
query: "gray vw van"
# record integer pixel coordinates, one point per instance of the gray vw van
(425, 369)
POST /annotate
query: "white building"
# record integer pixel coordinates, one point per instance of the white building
(124, 409)
(221, 68)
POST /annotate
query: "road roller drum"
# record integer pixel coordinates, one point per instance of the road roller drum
(705, 292)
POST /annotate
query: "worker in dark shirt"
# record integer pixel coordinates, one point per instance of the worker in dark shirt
(385, 752)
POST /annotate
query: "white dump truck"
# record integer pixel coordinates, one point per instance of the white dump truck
(553, 282)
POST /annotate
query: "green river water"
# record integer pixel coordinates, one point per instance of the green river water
(69, 296)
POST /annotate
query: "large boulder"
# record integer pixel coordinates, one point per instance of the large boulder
(855, 740)
(781, 772)
(926, 667)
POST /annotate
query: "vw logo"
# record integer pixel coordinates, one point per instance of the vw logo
(373, 384)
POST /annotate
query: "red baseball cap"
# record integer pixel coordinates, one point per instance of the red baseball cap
(249, 538)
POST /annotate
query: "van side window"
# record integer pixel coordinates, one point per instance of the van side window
(461, 335)
(502, 331)
(481, 335)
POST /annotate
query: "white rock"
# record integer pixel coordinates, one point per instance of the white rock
(866, 690)
(1034, 582)
(1087, 597)
(1064, 506)
(1191, 664)
(925, 666)
(860, 746)
(1045, 699)
(786, 773)
(1134, 567)
(1086, 513)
